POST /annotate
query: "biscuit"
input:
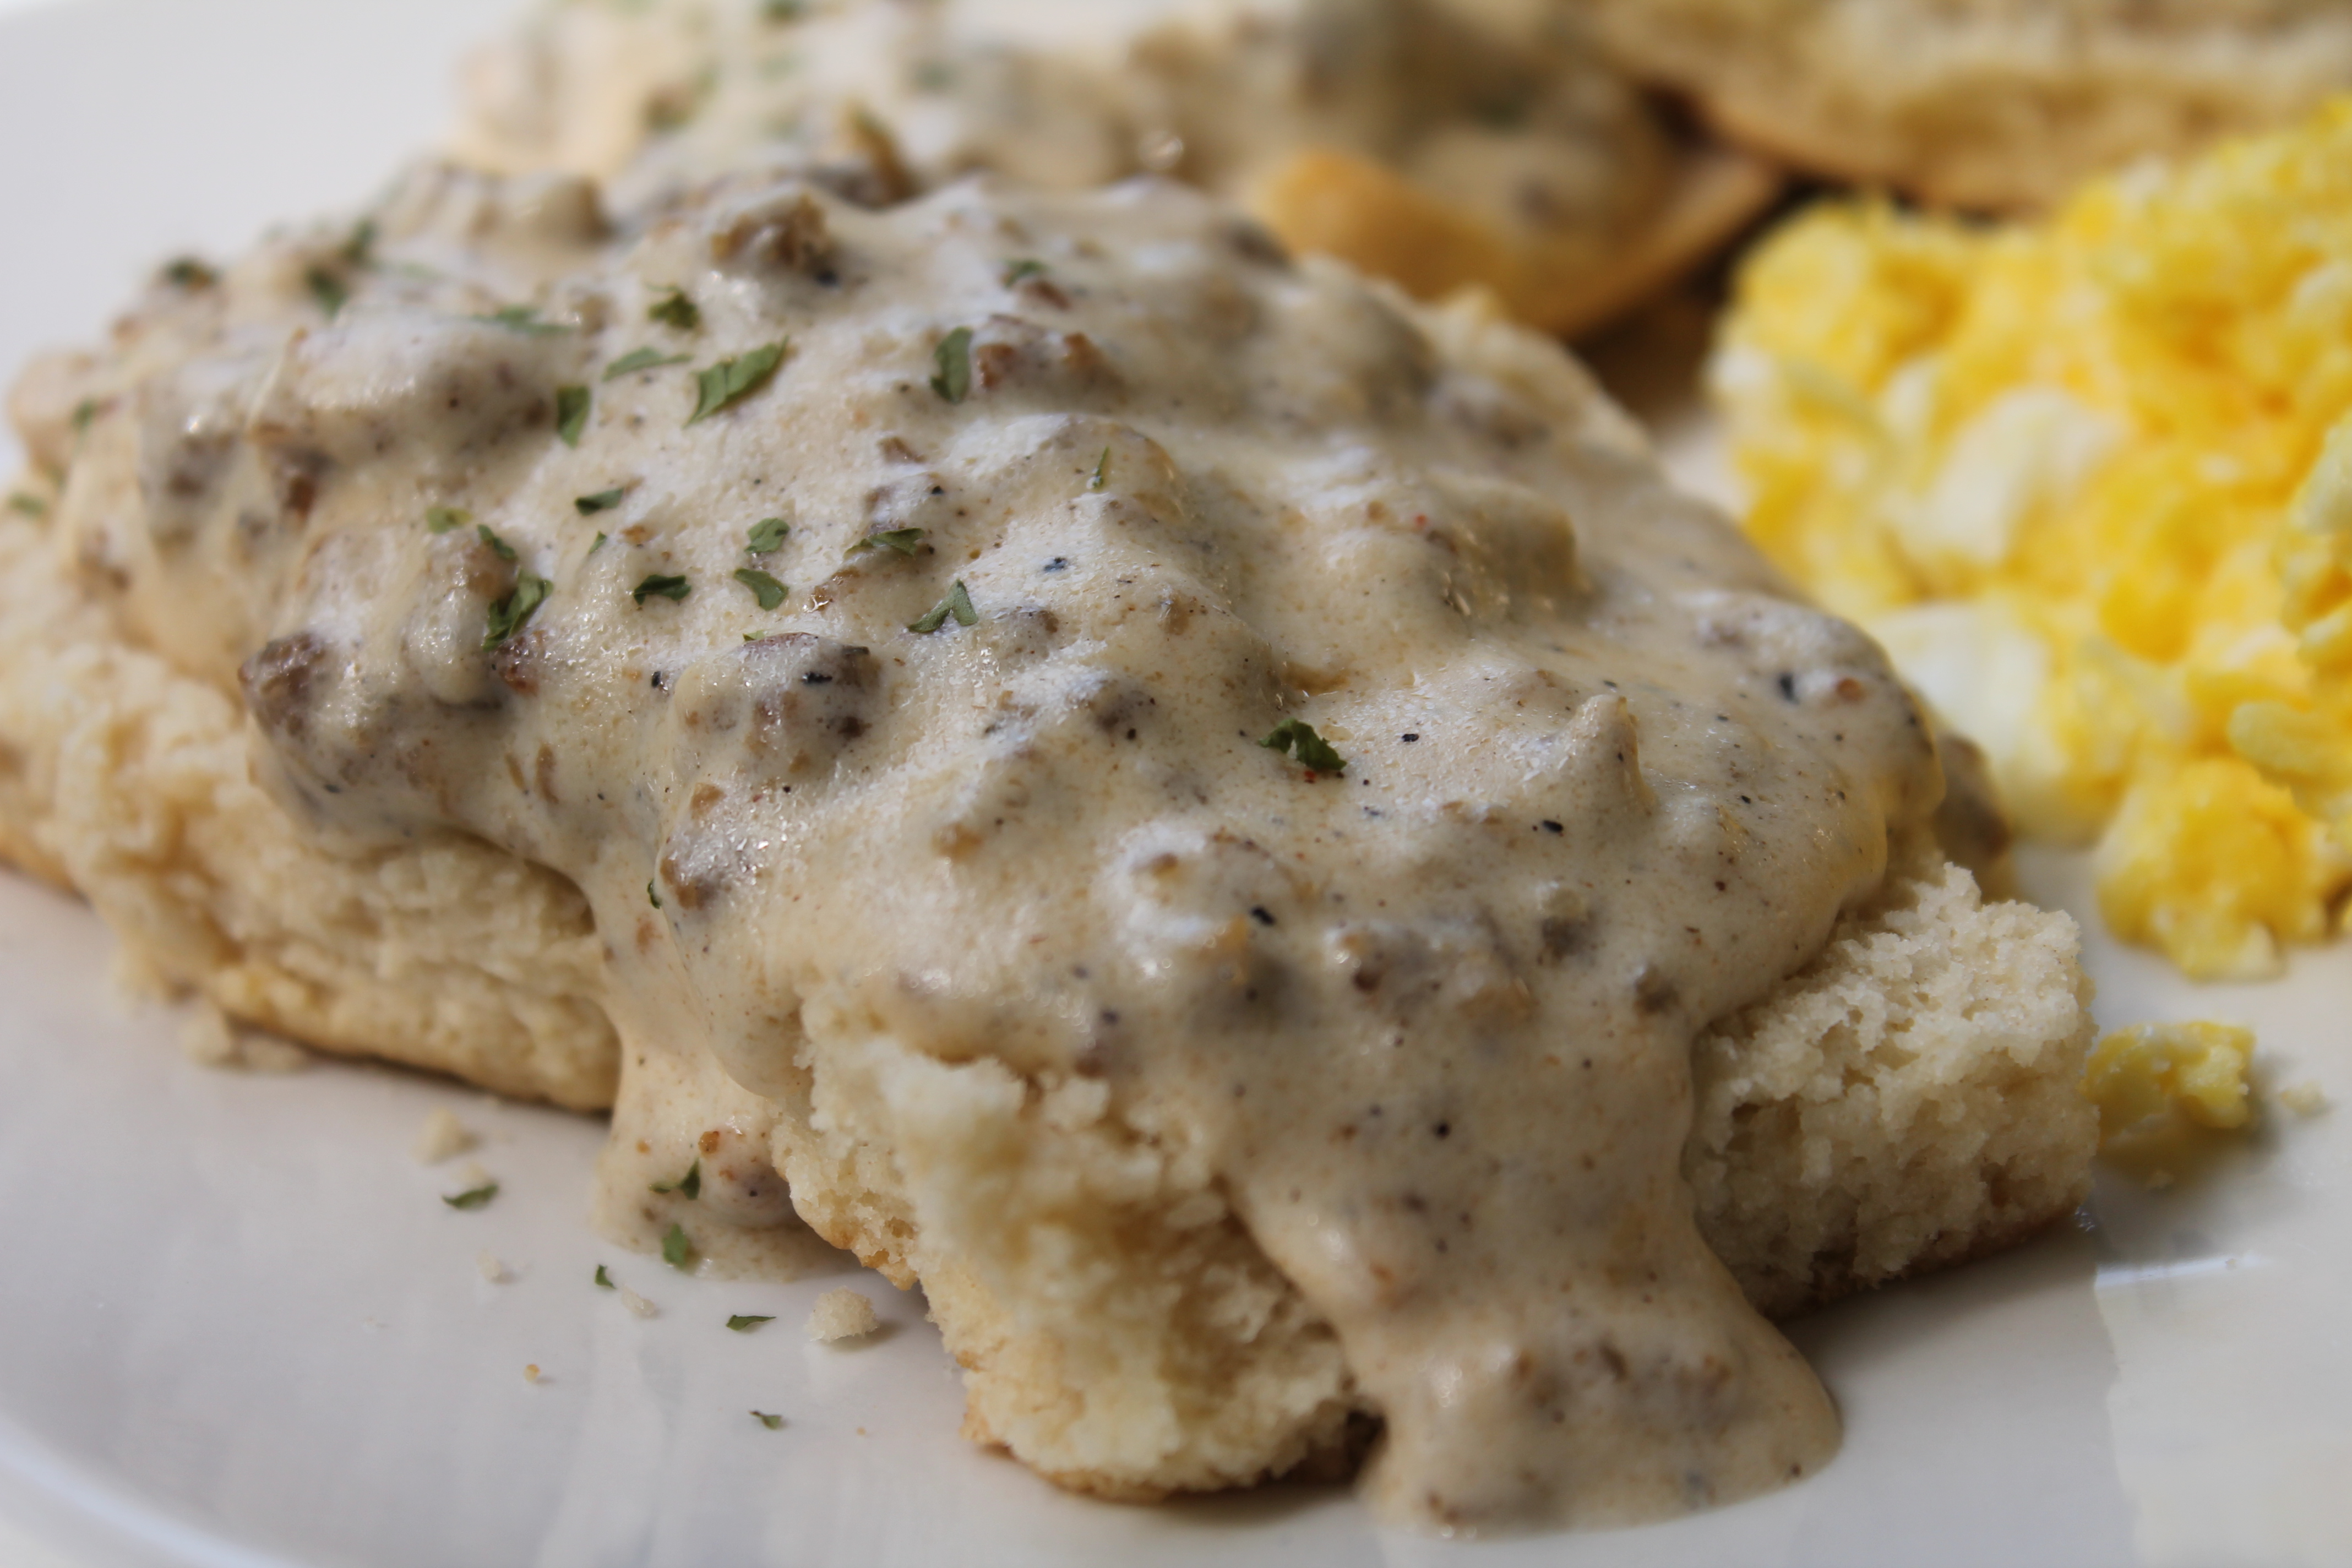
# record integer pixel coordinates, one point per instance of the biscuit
(1997, 104)
(1002, 904)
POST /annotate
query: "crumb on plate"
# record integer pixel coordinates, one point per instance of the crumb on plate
(443, 1137)
(842, 1315)
(2305, 1098)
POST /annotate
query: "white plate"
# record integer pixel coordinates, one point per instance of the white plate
(238, 1328)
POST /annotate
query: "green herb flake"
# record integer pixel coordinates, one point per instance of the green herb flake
(1102, 471)
(767, 536)
(773, 1423)
(651, 897)
(331, 291)
(604, 1280)
(904, 541)
(730, 381)
(642, 359)
(674, 589)
(677, 1250)
(602, 500)
(523, 319)
(572, 405)
(764, 588)
(957, 603)
(445, 519)
(674, 309)
(1297, 737)
(474, 1197)
(1020, 271)
(598, 545)
(688, 1186)
(953, 356)
(360, 248)
(84, 412)
(30, 506)
(782, 11)
(742, 1324)
(509, 614)
(499, 547)
(187, 272)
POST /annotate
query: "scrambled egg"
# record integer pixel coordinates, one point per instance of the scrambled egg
(2195, 1070)
(2090, 481)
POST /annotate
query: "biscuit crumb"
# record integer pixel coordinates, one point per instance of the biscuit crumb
(2305, 1098)
(443, 1137)
(491, 1268)
(638, 1305)
(842, 1315)
(214, 1039)
(530, 1372)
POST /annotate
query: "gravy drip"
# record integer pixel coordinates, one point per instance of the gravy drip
(1428, 1017)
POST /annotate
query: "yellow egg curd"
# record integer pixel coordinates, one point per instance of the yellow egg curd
(2090, 481)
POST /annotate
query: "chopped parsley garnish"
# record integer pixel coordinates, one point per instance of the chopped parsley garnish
(598, 545)
(764, 588)
(642, 359)
(743, 1323)
(957, 603)
(773, 1423)
(499, 547)
(781, 10)
(360, 248)
(29, 505)
(187, 272)
(445, 519)
(1296, 735)
(902, 540)
(953, 356)
(604, 1280)
(1026, 267)
(767, 536)
(602, 500)
(474, 1197)
(689, 1185)
(331, 291)
(84, 412)
(507, 615)
(572, 405)
(730, 381)
(1102, 471)
(674, 589)
(676, 310)
(651, 897)
(523, 319)
(677, 1250)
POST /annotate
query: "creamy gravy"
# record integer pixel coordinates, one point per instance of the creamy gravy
(1427, 1018)
(1503, 107)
